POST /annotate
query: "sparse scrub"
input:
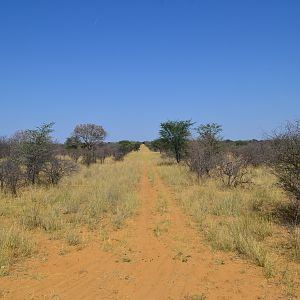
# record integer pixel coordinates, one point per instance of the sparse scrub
(32, 158)
(241, 220)
(85, 198)
(103, 193)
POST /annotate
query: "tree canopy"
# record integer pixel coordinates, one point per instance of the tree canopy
(174, 135)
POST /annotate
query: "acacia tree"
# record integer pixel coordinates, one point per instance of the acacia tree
(32, 157)
(209, 134)
(203, 152)
(174, 135)
(34, 147)
(90, 136)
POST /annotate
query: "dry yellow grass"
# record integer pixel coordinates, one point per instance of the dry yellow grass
(104, 194)
(14, 244)
(158, 238)
(242, 220)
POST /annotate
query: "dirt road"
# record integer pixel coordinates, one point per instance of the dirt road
(159, 254)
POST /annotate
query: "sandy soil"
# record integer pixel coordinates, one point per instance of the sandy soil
(159, 254)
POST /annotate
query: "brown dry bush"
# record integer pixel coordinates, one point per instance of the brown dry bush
(233, 171)
(286, 146)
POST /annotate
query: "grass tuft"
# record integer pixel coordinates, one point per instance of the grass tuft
(73, 238)
(295, 243)
(14, 245)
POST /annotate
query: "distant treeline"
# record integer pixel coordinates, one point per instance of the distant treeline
(256, 152)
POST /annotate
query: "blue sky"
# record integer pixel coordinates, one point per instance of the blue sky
(129, 65)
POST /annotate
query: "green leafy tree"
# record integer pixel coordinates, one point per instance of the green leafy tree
(35, 149)
(33, 158)
(72, 143)
(174, 136)
(137, 146)
(156, 145)
(209, 134)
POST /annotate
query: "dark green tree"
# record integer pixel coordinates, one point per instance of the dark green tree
(156, 145)
(72, 143)
(174, 136)
(73, 146)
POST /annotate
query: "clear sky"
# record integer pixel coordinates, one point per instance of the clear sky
(129, 65)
